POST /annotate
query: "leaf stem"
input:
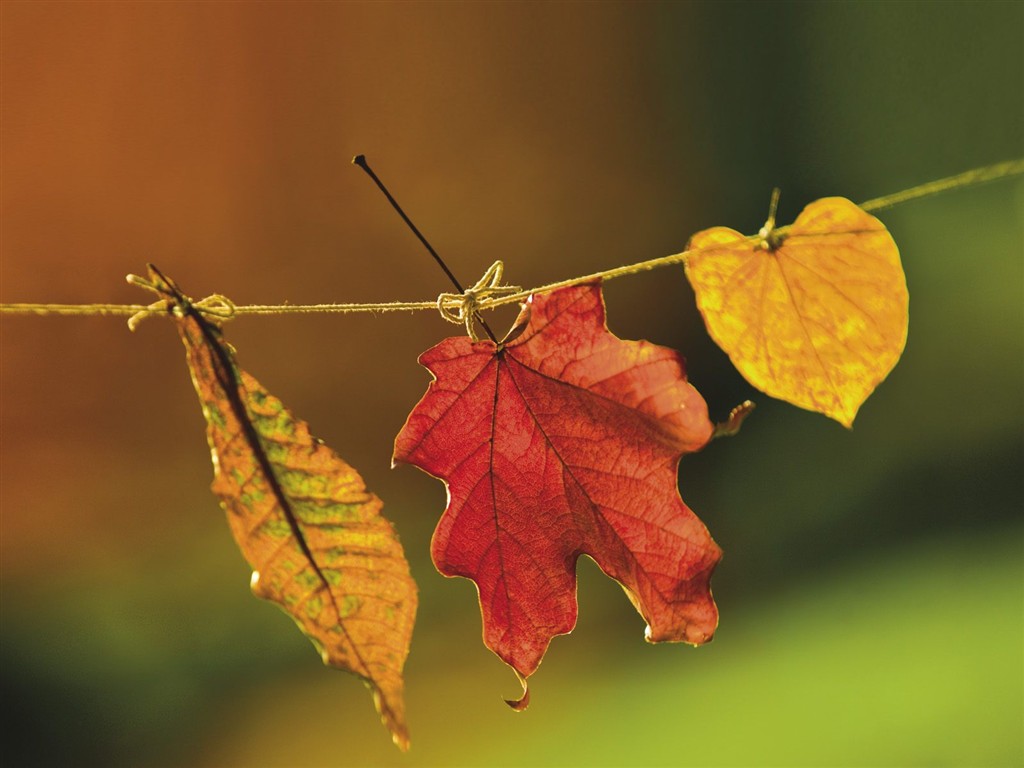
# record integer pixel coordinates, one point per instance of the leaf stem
(360, 160)
(769, 239)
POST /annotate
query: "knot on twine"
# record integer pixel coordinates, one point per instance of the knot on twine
(461, 308)
(215, 305)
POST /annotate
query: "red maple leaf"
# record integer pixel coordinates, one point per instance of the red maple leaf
(564, 441)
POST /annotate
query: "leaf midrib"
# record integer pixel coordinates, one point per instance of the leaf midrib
(226, 369)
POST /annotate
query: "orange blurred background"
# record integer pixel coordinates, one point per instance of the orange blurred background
(215, 139)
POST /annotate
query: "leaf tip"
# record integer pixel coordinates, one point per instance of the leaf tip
(844, 413)
(523, 701)
(520, 704)
(394, 720)
(401, 739)
(690, 636)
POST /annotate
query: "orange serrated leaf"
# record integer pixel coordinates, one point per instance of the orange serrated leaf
(303, 519)
(815, 314)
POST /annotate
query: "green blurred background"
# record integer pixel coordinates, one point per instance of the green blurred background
(871, 592)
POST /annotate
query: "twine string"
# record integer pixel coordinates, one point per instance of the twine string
(486, 293)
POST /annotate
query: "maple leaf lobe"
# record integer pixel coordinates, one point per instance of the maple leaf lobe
(563, 442)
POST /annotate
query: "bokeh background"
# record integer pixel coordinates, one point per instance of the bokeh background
(872, 588)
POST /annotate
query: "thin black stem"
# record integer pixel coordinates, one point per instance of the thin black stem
(360, 160)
